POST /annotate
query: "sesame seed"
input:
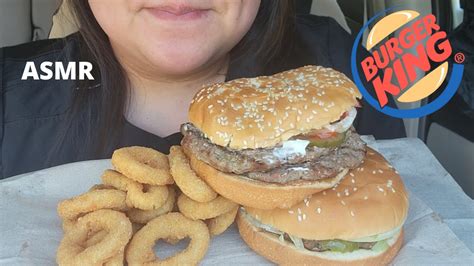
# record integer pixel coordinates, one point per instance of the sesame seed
(299, 211)
(291, 212)
(355, 189)
(351, 174)
(366, 198)
(373, 172)
(338, 194)
(352, 214)
(343, 202)
(299, 218)
(304, 216)
(318, 210)
(380, 171)
(353, 181)
(324, 193)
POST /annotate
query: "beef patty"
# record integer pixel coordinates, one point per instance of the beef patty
(263, 165)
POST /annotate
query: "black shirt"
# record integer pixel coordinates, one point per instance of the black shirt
(33, 113)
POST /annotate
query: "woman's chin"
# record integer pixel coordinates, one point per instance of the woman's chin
(182, 64)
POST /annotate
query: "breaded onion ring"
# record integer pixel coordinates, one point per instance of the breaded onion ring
(99, 187)
(219, 224)
(143, 165)
(186, 179)
(96, 237)
(152, 198)
(143, 217)
(71, 250)
(197, 210)
(172, 225)
(68, 224)
(117, 260)
(90, 201)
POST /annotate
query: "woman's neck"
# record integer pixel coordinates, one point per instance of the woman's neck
(159, 103)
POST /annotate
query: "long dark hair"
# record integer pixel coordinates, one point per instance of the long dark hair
(97, 112)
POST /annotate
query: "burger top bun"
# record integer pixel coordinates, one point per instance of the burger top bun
(370, 200)
(264, 111)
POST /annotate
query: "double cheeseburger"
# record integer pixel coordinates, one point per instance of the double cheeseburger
(358, 222)
(270, 141)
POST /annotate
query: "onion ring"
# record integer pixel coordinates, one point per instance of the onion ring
(198, 210)
(90, 201)
(71, 250)
(172, 225)
(219, 224)
(143, 165)
(117, 260)
(153, 198)
(143, 217)
(99, 187)
(186, 179)
(96, 237)
(68, 224)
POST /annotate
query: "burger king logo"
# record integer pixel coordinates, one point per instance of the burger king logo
(420, 45)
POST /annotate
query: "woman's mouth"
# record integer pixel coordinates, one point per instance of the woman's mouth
(178, 12)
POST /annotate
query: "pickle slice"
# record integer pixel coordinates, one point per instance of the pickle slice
(328, 142)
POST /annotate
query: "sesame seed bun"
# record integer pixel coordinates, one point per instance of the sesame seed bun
(264, 111)
(370, 200)
(284, 253)
(258, 194)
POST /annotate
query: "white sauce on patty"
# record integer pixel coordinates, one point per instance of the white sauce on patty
(291, 148)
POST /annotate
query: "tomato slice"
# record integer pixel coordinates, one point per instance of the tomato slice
(325, 134)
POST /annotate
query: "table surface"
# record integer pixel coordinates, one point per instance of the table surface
(426, 180)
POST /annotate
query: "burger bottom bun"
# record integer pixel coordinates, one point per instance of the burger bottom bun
(283, 253)
(258, 194)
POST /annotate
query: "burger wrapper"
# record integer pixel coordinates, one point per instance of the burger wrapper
(31, 230)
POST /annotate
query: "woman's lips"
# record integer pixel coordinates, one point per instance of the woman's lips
(178, 13)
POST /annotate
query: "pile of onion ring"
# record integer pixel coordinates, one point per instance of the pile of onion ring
(120, 219)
